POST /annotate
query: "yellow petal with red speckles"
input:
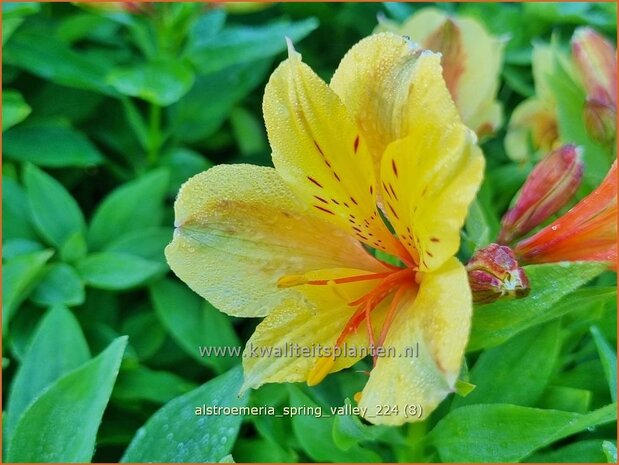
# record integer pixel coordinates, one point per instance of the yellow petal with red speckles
(239, 229)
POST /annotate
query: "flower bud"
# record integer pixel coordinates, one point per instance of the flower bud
(550, 185)
(494, 273)
(600, 121)
(596, 61)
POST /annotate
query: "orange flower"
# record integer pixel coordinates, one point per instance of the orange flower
(587, 232)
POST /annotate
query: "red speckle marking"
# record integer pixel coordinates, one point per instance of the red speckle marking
(321, 199)
(393, 211)
(435, 239)
(354, 201)
(318, 148)
(312, 180)
(356, 144)
(394, 167)
(326, 210)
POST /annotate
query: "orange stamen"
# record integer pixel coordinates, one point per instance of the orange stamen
(391, 314)
(350, 279)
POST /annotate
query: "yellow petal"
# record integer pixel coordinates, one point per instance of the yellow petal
(315, 316)
(240, 229)
(532, 128)
(320, 154)
(428, 181)
(471, 61)
(439, 319)
(389, 85)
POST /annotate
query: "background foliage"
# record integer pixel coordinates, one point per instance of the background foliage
(105, 114)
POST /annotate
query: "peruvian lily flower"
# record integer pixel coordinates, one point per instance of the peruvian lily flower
(533, 127)
(587, 232)
(471, 61)
(291, 243)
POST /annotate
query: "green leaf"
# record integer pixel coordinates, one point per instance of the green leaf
(507, 433)
(315, 433)
(116, 271)
(249, 132)
(12, 248)
(176, 434)
(14, 109)
(260, 451)
(160, 82)
(131, 207)
(68, 414)
(610, 451)
(19, 277)
(56, 214)
(482, 224)
(566, 398)
(148, 243)
(589, 451)
(348, 430)
(242, 44)
(48, 145)
(570, 98)
(201, 112)
(517, 371)
(183, 164)
(74, 248)
(146, 335)
(44, 363)
(608, 357)
(12, 10)
(60, 284)
(496, 322)
(198, 325)
(16, 213)
(144, 384)
(52, 60)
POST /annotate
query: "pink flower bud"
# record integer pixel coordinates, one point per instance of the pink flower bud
(600, 121)
(550, 185)
(596, 61)
(494, 273)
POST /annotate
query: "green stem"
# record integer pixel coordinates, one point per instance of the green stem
(154, 139)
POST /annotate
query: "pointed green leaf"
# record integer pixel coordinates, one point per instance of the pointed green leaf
(61, 285)
(198, 325)
(608, 356)
(68, 413)
(160, 82)
(176, 434)
(39, 368)
(131, 207)
(19, 277)
(115, 271)
(496, 322)
(507, 433)
(14, 109)
(56, 146)
(56, 214)
(517, 371)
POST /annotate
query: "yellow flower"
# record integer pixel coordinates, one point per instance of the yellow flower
(291, 243)
(533, 127)
(471, 60)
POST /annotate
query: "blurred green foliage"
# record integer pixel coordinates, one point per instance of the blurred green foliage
(106, 112)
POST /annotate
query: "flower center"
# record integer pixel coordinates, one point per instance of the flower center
(396, 281)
